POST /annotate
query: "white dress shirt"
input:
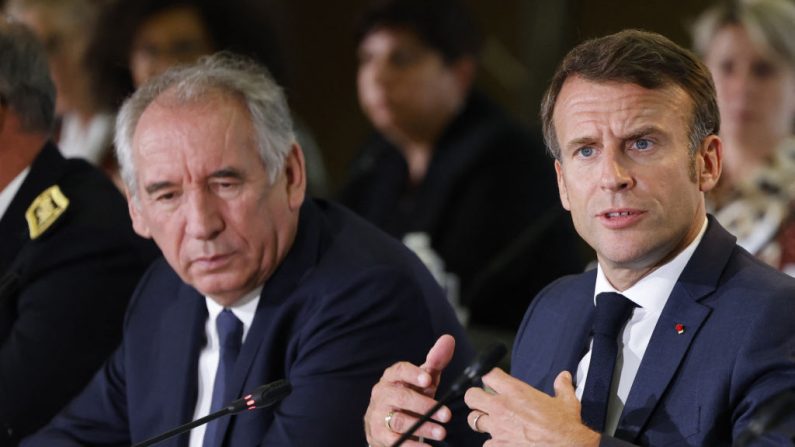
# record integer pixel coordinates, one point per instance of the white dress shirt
(650, 295)
(209, 356)
(7, 194)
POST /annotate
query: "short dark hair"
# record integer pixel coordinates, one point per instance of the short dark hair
(647, 59)
(443, 25)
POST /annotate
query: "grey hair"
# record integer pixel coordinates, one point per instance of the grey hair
(222, 72)
(770, 25)
(25, 83)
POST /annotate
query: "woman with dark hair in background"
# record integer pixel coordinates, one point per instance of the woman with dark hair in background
(143, 38)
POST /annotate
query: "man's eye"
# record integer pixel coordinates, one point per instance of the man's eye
(642, 144)
(586, 151)
(225, 187)
(166, 197)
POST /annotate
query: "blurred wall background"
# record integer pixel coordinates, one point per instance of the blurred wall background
(523, 42)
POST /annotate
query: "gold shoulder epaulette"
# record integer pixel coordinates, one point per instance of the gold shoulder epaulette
(45, 210)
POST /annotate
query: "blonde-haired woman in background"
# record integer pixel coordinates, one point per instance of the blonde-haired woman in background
(750, 48)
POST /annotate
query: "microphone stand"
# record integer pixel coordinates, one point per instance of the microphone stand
(487, 360)
(263, 396)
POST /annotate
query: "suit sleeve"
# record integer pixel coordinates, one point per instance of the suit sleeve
(765, 367)
(69, 316)
(379, 317)
(97, 417)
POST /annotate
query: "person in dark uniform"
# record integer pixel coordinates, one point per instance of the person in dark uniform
(450, 173)
(69, 260)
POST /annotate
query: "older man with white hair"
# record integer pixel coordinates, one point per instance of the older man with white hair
(258, 283)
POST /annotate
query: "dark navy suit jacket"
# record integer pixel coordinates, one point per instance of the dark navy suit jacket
(346, 302)
(698, 388)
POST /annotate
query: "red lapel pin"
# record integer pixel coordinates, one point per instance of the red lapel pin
(680, 328)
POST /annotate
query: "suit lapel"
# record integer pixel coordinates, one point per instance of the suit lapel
(297, 264)
(667, 347)
(179, 355)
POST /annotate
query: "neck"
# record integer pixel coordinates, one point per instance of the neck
(417, 145)
(623, 275)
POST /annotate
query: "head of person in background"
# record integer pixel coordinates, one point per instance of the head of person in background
(144, 38)
(62, 26)
(27, 115)
(749, 46)
(86, 98)
(417, 64)
(147, 37)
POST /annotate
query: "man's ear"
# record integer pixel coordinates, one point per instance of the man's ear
(709, 161)
(562, 190)
(295, 177)
(138, 222)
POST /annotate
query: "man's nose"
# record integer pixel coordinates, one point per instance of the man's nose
(204, 220)
(616, 174)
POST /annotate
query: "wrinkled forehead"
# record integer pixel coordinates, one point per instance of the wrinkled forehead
(583, 103)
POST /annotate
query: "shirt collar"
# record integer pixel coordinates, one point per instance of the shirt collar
(652, 291)
(244, 309)
(8, 193)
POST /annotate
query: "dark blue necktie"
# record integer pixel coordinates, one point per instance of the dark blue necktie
(612, 311)
(230, 334)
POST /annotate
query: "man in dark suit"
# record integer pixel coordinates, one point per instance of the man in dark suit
(69, 259)
(679, 336)
(258, 284)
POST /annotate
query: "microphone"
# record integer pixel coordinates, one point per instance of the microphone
(483, 363)
(264, 396)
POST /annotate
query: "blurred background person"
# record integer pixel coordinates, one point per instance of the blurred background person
(749, 46)
(147, 37)
(69, 259)
(446, 171)
(85, 112)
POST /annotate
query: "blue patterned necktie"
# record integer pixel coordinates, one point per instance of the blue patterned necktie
(612, 312)
(230, 334)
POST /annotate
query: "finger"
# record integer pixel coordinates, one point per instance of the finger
(406, 373)
(503, 383)
(395, 397)
(440, 354)
(564, 388)
(477, 421)
(478, 400)
(388, 438)
(402, 422)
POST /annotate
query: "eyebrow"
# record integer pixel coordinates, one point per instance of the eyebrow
(229, 173)
(643, 131)
(157, 186)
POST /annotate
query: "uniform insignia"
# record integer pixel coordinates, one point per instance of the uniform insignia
(45, 210)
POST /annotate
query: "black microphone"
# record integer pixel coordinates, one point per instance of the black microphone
(264, 396)
(483, 363)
